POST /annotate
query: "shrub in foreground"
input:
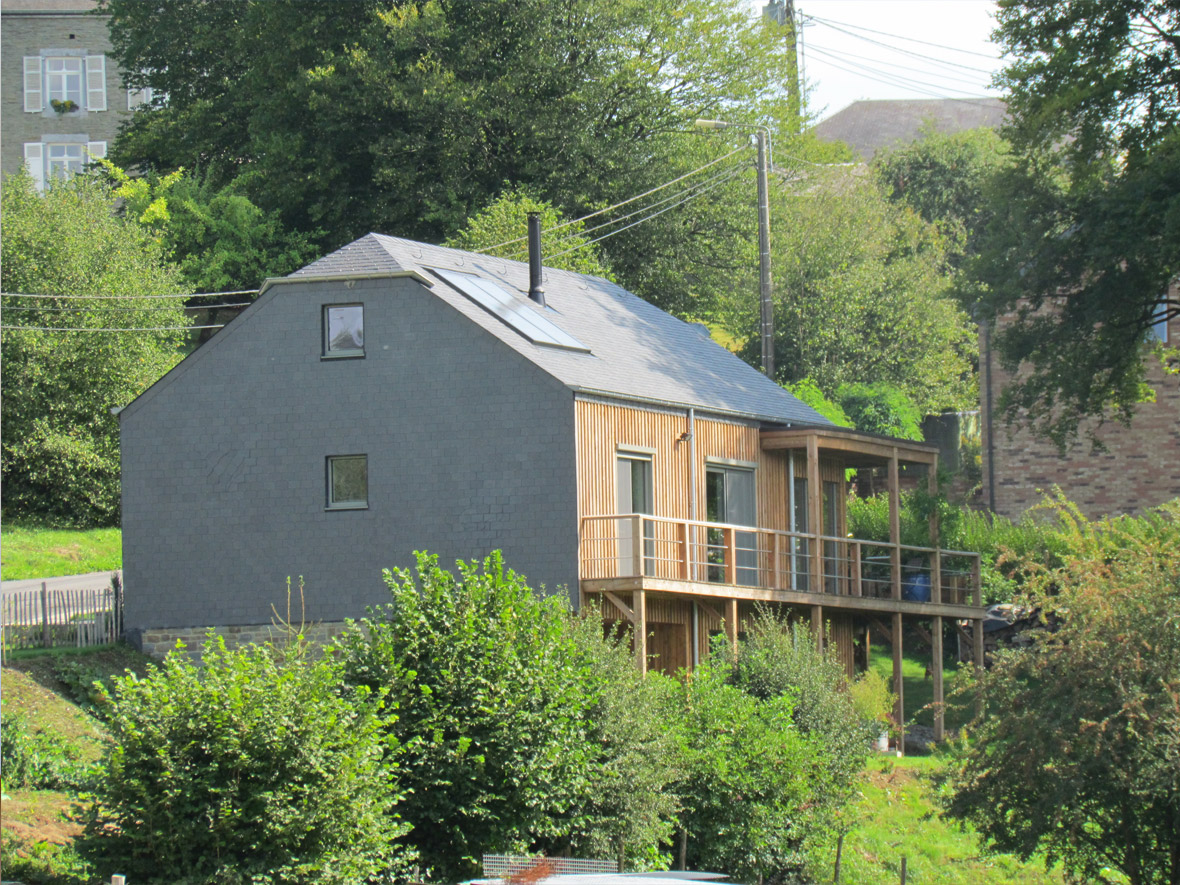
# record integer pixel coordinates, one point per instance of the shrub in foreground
(251, 767)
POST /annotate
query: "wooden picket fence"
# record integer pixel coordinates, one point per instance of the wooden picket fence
(48, 618)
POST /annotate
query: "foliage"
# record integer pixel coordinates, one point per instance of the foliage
(1080, 754)
(880, 407)
(895, 815)
(808, 391)
(502, 228)
(219, 239)
(751, 778)
(60, 440)
(251, 767)
(424, 110)
(44, 863)
(32, 551)
(1084, 241)
(38, 759)
(778, 659)
(944, 178)
(862, 293)
(872, 698)
(493, 706)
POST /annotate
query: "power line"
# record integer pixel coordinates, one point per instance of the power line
(699, 193)
(917, 86)
(77, 329)
(724, 173)
(833, 24)
(129, 297)
(923, 57)
(660, 187)
(942, 75)
(122, 309)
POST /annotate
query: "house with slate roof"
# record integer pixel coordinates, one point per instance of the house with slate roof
(395, 396)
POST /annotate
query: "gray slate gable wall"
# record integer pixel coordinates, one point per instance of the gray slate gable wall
(470, 448)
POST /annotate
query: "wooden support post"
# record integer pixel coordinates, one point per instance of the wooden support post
(730, 556)
(639, 607)
(817, 626)
(976, 583)
(685, 557)
(774, 561)
(637, 546)
(857, 589)
(895, 525)
(731, 625)
(977, 624)
(936, 673)
(898, 683)
(815, 516)
(45, 615)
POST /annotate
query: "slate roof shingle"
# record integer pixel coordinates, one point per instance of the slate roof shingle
(638, 351)
(869, 127)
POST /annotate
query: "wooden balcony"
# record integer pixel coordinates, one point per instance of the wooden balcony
(620, 553)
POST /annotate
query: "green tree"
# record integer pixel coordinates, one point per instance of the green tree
(1079, 754)
(501, 228)
(60, 440)
(944, 177)
(880, 408)
(494, 700)
(251, 767)
(862, 293)
(1085, 237)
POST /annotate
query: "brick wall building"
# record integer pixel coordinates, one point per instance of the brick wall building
(62, 99)
(1139, 469)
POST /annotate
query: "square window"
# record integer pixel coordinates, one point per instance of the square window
(63, 79)
(344, 330)
(348, 482)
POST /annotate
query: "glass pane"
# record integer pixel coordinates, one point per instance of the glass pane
(346, 328)
(349, 480)
(740, 503)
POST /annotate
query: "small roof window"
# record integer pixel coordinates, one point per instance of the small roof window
(512, 310)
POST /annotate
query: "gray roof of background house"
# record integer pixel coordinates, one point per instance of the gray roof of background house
(872, 126)
(637, 350)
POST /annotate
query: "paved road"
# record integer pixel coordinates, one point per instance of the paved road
(94, 580)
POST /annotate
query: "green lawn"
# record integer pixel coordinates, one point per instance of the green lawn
(919, 689)
(896, 816)
(47, 553)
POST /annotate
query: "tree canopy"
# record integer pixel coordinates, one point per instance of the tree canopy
(409, 117)
(97, 271)
(1085, 239)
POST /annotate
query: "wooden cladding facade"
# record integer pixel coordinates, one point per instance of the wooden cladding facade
(606, 429)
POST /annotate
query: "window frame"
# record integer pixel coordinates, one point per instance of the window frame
(326, 350)
(330, 503)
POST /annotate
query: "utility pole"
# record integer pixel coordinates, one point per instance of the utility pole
(782, 13)
(765, 285)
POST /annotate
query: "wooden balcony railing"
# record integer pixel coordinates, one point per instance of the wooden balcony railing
(635, 545)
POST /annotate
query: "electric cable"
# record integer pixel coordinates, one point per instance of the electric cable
(83, 329)
(832, 24)
(128, 297)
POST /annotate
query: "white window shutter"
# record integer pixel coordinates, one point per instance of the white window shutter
(96, 82)
(97, 150)
(33, 90)
(35, 162)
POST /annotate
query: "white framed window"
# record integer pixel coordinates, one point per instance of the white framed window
(348, 482)
(65, 81)
(145, 98)
(1159, 329)
(57, 156)
(343, 330)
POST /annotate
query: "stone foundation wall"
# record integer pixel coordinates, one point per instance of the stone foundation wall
(157, 643)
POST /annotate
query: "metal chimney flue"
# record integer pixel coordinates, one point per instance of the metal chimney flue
(536, 293)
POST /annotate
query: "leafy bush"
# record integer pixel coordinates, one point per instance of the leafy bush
(808, 391)
(85, 684)
(43, 863)
(751, 782)
(1079, 755)
(880, 408)
(779, 659)
(253, 767)
(493, 698)
(39, 760)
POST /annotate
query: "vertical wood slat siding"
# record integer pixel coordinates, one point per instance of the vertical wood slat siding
(605, 427)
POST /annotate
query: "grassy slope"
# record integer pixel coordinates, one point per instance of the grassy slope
(47, 553)
(896, 816)
(919, 690)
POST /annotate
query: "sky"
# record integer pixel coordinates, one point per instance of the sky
(882, 49)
